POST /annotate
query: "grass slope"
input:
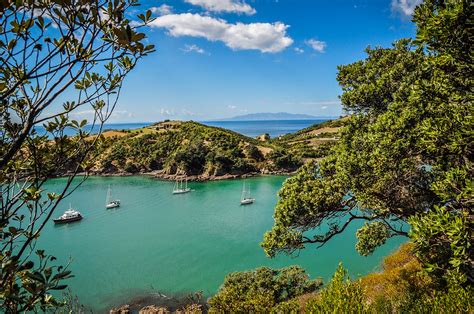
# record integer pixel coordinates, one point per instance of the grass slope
(189, 148)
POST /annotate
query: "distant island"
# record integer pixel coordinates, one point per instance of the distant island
(273, 116)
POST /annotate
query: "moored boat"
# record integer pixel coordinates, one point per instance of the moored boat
(181, 187)
(69, 215)
(246, 198)
(109, 203)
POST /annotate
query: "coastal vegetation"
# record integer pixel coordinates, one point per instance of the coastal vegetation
(263, 290)
(188, 148)
(401, 286)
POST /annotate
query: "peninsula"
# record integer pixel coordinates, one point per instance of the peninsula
(175, 148)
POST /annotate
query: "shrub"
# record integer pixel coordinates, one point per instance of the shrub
(253, 152)
(340, 296)
(262, 290)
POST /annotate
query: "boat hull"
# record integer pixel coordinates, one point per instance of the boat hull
(112, 205)
(247, 201)
(64, 221)
(182, 191)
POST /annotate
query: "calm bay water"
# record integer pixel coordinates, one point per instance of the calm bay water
(273, 127)
(172, 244)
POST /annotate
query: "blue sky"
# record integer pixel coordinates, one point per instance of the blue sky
(221, 58)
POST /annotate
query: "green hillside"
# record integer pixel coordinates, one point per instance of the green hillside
(313, 142)
(189, 148)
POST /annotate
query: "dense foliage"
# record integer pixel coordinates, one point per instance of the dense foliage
(262, 290)
(55, 57)
(405, 155)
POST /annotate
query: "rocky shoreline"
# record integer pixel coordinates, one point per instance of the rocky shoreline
(158, 303)
(161, 175)
(203, 178)
(154, 309)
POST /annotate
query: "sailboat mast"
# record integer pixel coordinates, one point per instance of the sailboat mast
(109, 196)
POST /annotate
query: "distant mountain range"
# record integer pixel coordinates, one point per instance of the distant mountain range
(272, 116)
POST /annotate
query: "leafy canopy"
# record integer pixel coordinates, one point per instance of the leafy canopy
(405, 151)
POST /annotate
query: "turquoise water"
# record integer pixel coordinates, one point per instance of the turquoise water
(159, 242)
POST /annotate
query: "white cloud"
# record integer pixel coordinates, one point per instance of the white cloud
(298, 50)
(405, 7)
(232, 107)
(234, 6)
(163, 9)
(193, 48)
(265, 37)
(167, 112)
(118, 114)
(316, 45)
(186, 112)
(177, 113)
(324, 107)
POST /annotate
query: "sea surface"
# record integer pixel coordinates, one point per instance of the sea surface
(249, 128)
(157, 242)
(273, 127)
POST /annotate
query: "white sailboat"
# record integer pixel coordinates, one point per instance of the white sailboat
(109, 203)
(246, 198)
(181, 186)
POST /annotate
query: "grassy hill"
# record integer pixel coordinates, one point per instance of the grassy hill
(202, 152)
(313, 142)
(188, 148)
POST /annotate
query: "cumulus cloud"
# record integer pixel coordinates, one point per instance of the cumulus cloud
(405, 7)
(316, 45)
(265, 37)
(193, 48)
(234, 6)
(163, 9)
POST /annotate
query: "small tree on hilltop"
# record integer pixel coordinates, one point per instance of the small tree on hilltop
(56, 57)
